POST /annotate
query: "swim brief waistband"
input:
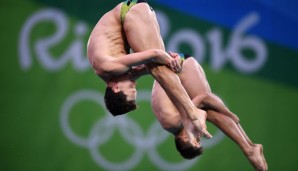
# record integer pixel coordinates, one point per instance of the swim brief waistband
(126, 6)
(184, 56)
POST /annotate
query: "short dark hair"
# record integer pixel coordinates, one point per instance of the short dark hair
(117, 103)
(186, 149)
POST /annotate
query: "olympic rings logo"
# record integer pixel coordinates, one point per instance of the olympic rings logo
(102, 131)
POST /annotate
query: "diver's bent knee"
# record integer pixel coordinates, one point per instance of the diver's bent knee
(205, 95)
(199, 99)
(235, 118)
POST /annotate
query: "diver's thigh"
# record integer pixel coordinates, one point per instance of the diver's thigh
(140, 28)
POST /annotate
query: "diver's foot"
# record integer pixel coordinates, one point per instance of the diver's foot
(257, 159)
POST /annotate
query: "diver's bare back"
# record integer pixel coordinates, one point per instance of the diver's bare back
(106, 41)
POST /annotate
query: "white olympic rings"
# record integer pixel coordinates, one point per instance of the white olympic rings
(130, 131)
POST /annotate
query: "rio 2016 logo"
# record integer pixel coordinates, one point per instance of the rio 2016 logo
(76, 51)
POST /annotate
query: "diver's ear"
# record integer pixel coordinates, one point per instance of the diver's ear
(115, 88)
